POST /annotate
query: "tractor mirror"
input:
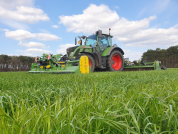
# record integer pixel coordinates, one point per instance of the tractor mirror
(75, 41)
(99, 33)
(80, 42)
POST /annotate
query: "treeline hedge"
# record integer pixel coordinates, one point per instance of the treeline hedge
(15, 63)
(168, 57)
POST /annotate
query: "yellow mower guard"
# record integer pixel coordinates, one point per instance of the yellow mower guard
(84, 64)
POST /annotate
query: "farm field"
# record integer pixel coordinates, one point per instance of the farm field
(141, 102)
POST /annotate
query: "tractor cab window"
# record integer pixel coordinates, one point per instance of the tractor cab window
(103, 42)
(91, 40)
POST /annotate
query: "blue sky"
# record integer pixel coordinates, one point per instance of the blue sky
(33, 27)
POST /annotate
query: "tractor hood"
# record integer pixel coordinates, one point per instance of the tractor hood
(70, 49)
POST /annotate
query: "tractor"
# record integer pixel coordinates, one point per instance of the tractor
(96, 53)
(100, 51)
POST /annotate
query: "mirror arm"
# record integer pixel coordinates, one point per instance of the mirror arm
(75, 41)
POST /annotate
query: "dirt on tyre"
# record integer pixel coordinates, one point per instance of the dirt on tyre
(115, 61)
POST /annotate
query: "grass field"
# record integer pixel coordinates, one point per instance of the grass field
(141, 102)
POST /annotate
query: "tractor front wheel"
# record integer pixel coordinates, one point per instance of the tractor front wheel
(115, 61)
(91, 61)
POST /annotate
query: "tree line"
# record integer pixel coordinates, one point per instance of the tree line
(15, 63)
(168, 57)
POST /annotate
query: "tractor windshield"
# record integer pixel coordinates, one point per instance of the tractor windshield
(91, 40)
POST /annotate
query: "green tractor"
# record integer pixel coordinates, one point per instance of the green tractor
(96, 53)
(100, 51)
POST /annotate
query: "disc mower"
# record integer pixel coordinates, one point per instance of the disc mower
(141, 65)
(51, 64)
(97, 52)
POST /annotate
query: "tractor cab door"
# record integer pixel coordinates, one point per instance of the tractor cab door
(104, 42)
(92, 41)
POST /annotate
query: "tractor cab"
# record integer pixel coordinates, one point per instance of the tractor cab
(99, 41)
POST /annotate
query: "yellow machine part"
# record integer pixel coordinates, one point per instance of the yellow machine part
(48, 66)
(62, 63)
(41, 67)
(84, 64)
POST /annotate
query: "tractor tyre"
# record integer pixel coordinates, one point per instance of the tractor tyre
(91, 61)
(115, 61)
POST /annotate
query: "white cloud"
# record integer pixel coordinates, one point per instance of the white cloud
(37, 51)
(32, 44)
(22, 35)
(46, 37)
(55, 26)
(26, 54)
(62, 48)
(32, 52)
(92, 19)
(130, 33)
(175, 26)
(152, 37)
(24, 14)
(132, 55)
(18, 13)
(14, 24)
(11, 4)
(126, 51)
(19, 35)
(101, 17)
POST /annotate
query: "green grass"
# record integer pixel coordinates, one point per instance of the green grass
(140, 102)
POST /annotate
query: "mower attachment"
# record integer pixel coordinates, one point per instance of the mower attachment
(138, 66)
(51, 66)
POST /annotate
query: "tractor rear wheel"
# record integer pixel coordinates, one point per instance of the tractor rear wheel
(91, 61)
(115, 61)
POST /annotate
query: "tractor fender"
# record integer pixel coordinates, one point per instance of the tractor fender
(94, 57)
(115, 48)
